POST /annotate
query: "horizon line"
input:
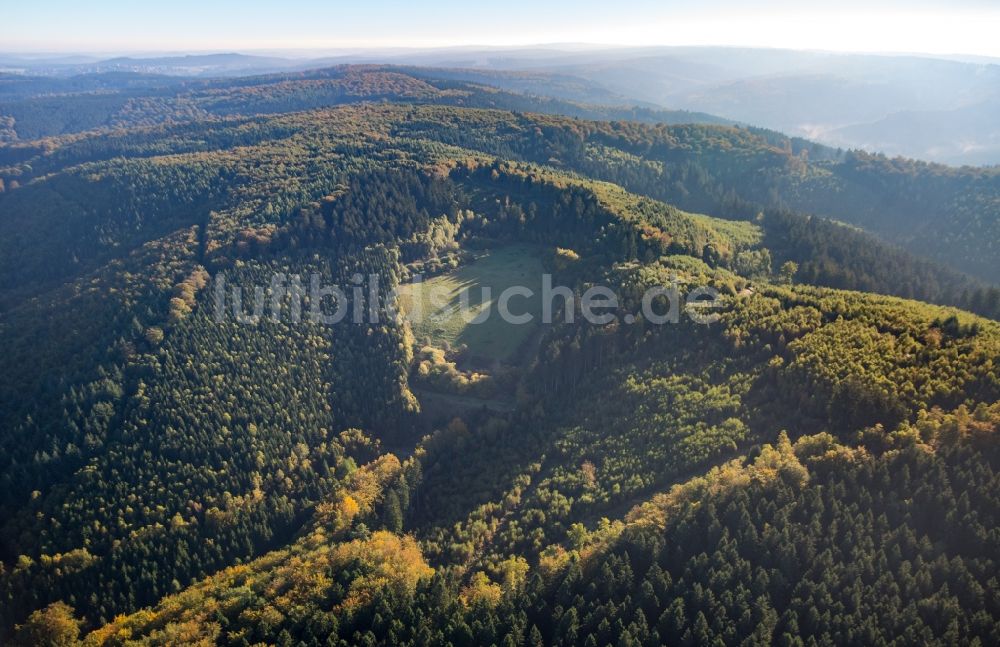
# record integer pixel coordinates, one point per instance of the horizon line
(305, 53)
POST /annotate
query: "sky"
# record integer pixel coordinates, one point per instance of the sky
(969, 27)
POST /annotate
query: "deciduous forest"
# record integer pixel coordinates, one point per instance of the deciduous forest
(817, 466)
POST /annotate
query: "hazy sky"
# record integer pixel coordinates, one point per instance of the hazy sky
(954, 27)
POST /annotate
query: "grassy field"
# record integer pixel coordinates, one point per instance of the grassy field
(437, 316)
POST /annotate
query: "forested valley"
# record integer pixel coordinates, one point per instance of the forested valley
(818, 466)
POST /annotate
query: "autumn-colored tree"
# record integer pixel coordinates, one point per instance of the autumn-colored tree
(788, 271)
(53, 626)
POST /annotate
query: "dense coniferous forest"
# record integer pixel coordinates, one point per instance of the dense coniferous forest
(817, 466)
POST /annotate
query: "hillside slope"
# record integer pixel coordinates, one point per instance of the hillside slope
(171, 474)
(946, 214)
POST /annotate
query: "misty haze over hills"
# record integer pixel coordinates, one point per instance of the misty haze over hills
(928, 108)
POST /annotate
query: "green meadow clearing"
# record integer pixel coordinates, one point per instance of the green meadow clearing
(437, 316)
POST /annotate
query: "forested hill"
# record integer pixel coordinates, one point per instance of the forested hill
(40, 107)
(948, 215)
(780, 475)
